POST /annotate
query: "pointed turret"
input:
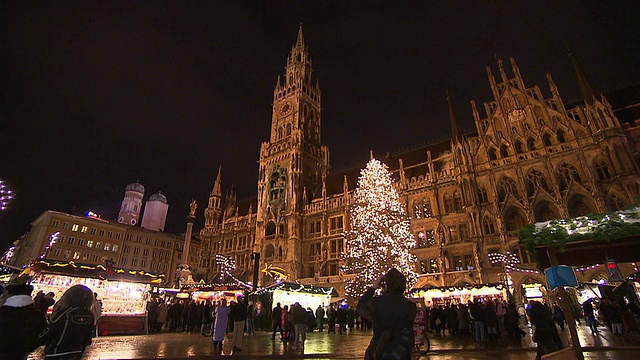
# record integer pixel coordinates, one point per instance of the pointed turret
(217, 186)
(300, 40)
(456, 135)
(583, 83)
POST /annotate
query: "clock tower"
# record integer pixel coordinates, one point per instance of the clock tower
(293, 163)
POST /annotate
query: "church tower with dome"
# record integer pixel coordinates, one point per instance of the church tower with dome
(131, 204)
(155, 213)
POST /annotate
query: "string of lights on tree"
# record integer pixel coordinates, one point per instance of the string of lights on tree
(380, 237)
(6, 195)
(509, 260)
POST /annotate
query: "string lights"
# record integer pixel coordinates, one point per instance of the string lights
(380, 237)
(227, 265)
(5, 195)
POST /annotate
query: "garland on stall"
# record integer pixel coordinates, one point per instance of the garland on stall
(100, 269)
(295, 287)
(497, 286)
(596, 227)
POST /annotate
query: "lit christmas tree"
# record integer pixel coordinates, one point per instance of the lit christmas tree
(380, 237)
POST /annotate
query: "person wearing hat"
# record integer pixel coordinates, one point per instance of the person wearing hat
(392, 316)
(20, 323)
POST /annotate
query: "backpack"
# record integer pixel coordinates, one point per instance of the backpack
(393, 344)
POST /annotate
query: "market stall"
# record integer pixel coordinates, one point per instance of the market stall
(213, 292)
(288, 293)
(123, 292)
(460, 294)
(8, 273)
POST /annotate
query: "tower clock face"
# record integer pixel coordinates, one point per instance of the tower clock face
(285, 109)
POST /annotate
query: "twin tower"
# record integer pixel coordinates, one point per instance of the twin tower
(155, 210)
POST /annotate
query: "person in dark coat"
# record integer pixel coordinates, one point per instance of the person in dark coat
(341, 318)
(331, 319)
(20, 323)
(71, 326)
(590, 317)
(276, 324)
(152, 314)
(390, 313)
(546, 334)
(320, 317)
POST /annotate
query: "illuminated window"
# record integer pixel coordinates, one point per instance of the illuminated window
(107, 246)
(85, 256)
(99, 245)
(84, 229)
(114, 248)
(75, 227)
(76, 255)
(89, 243)
(67, 254)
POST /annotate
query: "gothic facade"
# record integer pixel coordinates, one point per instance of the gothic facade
(530, 159)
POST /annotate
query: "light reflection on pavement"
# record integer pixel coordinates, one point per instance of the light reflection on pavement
(342, 346)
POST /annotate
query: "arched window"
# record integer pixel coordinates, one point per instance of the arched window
(602, 169)
(535, 181)
(426, 208)
(577, 206)
(288, 129)
(482, 195)
(507, 186)
(560, 136)
(270, 229)
(546, 139)
(616, 202)
(492, 154)
(457, 201)
(417, 209)
(514, 220)
(567, 174)
(503, 151)
(448, 203)
(489, 226)
(280, 251)
(519, 148)
(531, 144)
(545, 212)
(268, 253)
(280, 133)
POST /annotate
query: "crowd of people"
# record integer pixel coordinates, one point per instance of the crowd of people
(27, 324)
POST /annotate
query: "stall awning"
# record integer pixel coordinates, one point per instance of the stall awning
(72, 268)
(295, 287)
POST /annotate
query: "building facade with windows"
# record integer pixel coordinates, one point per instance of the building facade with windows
(531, 158)
(94, 241)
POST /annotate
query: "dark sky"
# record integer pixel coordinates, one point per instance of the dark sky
(97, 94)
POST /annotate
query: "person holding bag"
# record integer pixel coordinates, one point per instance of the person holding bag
(71, 325)
(392, 316)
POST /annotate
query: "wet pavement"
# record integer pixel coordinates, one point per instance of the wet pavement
(322, 345)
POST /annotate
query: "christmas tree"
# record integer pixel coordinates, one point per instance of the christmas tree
(380, 237)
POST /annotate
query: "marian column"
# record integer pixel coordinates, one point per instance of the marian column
(184, 273)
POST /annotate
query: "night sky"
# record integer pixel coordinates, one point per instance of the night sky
(98, 94)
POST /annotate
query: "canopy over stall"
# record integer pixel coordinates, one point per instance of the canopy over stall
(214, 291)
(288, 293)
(123, 292)
(440, 295)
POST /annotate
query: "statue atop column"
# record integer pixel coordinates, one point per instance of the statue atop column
(192, 208)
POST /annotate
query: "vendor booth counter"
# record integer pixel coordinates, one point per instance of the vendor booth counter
(123, 293)
(460, 294)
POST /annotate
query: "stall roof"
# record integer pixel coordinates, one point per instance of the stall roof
(585, 240)
(499, 286)
(230, 286)
(72, 268)
(295, 287)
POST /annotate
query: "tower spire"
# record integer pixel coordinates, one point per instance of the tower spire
(585, 87)
(456, 135)
(300, 40)
(217, 186)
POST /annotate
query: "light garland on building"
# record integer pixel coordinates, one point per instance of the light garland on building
(380, 237)
(53, 238)
(8, 255)
(227, 265)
